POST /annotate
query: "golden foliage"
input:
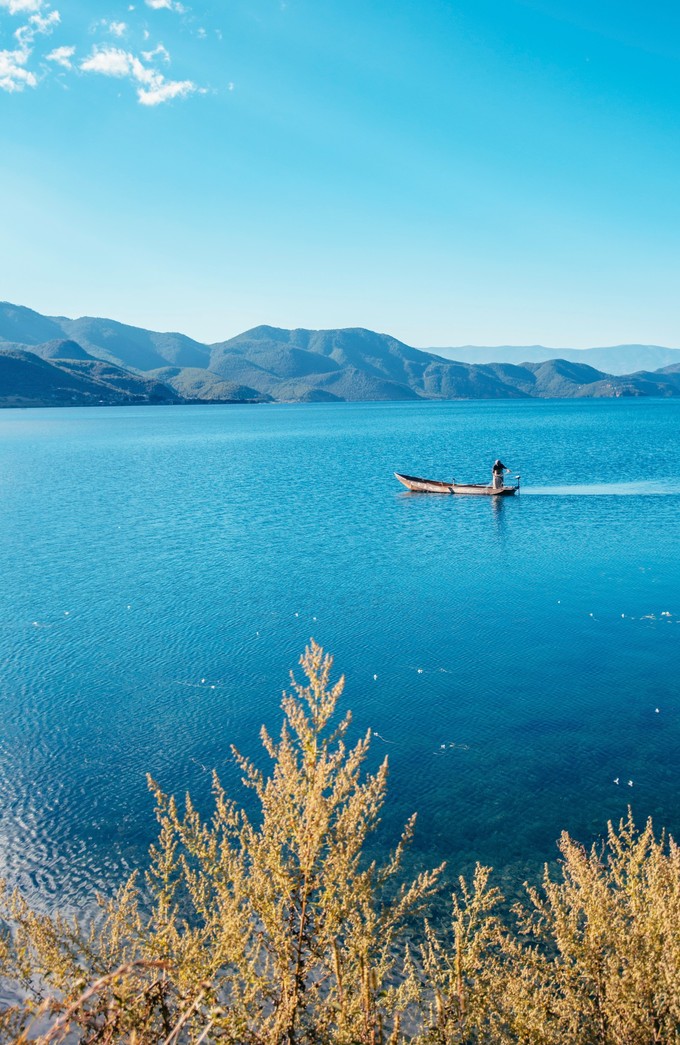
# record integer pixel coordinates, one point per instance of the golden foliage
(600, 954)
(277, 930)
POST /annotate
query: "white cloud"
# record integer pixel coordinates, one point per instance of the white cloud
(158, 52)
(62, 56)
(153, 88)
(16, 7)
(44, 23)
(13, 74)
(165, 90)
(114, 28)
(37, 25)
(168, 5)
(110, 61)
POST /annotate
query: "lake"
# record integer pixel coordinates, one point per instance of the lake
(163, 568)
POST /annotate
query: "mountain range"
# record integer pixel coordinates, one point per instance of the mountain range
(53, 360)
(616, 359)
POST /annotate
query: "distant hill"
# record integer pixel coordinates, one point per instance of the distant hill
(52, 360)
(192, 383)
(361, 364)
(26, 379)
(135, 347)
(617, 359)
(562, 379)
(351, 364)
(104, 338)
(60, 348)
(23, 326)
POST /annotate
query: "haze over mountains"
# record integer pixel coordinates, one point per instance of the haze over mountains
(617, 359)
(53, 360)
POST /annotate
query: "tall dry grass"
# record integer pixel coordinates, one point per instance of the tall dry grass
(277, 929)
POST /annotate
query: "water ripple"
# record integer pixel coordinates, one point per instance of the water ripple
(162, 571)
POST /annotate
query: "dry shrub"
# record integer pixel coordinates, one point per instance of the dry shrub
(267, 931)
(597, 954)
(277, 930)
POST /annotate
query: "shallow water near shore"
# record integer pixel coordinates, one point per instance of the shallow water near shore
(163, 569)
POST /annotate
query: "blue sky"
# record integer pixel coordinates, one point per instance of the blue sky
(477, 171)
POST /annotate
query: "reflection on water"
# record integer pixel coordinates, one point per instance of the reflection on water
(499, 516)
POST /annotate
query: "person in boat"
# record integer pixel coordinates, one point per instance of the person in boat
(497, 475)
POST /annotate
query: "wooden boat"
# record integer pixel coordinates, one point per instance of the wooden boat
(488, 491)
(413, 483)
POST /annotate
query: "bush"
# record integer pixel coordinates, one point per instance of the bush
(278, 930)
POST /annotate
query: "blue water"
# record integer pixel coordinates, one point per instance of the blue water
(163, 568)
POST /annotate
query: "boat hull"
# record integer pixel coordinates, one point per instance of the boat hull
(418, 485)
(413, 483)
(485, 491)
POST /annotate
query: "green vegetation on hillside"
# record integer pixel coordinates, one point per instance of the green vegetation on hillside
(273, 364)
(278, 929)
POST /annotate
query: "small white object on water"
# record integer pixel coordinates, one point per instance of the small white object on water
(212, 687)
(616, 780)
(623, 615)
(420, 671)
(630, 783)
(375, 677)
(297, 614)
(129, 607)
(66, 613)
(443, 747)
(665, 613)
(202, 680)
(313, 618)
(590, 614)
(656, 711)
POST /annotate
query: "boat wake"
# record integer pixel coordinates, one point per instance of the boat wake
(645, 488)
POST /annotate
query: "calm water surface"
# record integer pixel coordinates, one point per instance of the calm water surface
(163, 568)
